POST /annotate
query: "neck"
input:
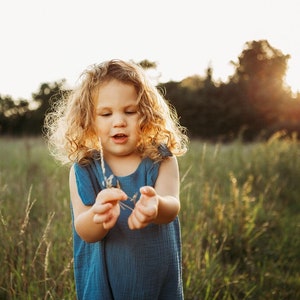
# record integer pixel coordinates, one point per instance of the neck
(123, 165)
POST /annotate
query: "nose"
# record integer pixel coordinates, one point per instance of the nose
(119, 121)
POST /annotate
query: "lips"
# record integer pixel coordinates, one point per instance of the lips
(120, 138)
(119, 135)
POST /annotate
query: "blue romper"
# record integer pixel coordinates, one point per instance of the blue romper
(142, 264)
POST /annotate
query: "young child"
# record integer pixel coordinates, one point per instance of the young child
(122, 138)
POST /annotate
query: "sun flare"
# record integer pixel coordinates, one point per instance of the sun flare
(293, 75)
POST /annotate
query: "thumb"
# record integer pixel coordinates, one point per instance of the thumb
(148, 191)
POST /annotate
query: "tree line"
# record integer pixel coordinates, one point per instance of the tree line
(253, 104)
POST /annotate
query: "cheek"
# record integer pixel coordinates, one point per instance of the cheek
(138, 121)
(100, 128)
(137, 132)
(97, 126)
(136, 127)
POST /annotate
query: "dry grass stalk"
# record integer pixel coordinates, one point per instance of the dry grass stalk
(108, 181)
(28, 208)
(44, 237)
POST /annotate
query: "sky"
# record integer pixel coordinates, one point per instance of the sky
(50, 40)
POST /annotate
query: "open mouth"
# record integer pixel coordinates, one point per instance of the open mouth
(120, 138)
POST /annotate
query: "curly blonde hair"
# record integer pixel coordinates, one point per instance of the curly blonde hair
(69, 128)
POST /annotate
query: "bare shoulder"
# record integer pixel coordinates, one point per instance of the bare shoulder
(169, 164)
(168, 170)
(167, 182)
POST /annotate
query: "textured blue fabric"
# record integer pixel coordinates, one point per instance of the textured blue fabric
(127, 264)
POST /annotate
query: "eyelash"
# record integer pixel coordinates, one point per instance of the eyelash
(126, 112)
(130, 112)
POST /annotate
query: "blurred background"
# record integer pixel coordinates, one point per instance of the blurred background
(231, 69)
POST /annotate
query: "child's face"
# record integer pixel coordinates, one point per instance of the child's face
(116, 118)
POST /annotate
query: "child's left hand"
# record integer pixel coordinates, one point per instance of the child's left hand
(145, 210)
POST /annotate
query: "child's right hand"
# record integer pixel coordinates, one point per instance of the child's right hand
(107, 208)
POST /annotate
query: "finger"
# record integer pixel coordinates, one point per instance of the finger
(148, 191)
(139, 215)
(110, 223)
(147, 208)
(134, 223)
(102, 218)
(111, 195)
(130, 223)
(99, 208)
(150, 211)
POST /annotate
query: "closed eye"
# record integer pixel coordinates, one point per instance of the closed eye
(131, 112)
(105, 114)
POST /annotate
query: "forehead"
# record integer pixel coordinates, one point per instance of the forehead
(116, 92)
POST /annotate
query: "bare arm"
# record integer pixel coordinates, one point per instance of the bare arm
(93, 222)
(160, 204)
(167, 189)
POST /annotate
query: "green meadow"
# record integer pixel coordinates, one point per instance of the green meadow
(240, 221)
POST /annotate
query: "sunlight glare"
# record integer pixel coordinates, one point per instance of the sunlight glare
(293, 76)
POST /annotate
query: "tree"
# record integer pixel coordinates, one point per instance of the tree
(146, 64)
(260, 74)
(48, 94)
(255, 100)
(12, 114)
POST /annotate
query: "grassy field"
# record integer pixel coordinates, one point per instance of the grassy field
(240, 221)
